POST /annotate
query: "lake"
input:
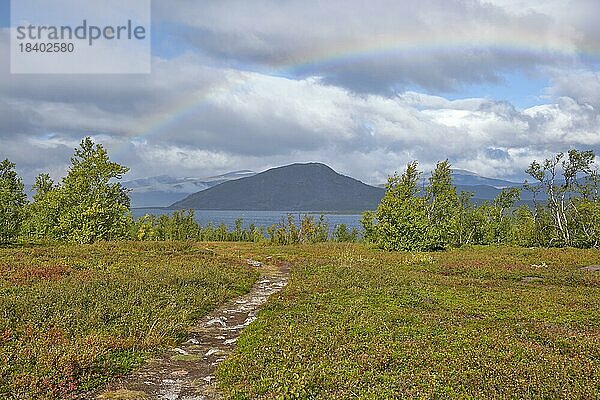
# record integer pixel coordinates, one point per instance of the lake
(258, 218)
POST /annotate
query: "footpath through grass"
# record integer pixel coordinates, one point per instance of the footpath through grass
(474, 323)
(354, 322)
(73, 316)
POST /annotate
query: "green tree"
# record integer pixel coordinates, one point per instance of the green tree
(586, 232)
(471, 221)
(401, 219)
(560, 177)
(92, 205)
(523, 228)
(443, 208)
(42, 216)
(145, 229)
(341, 233)
(498, 218)
(12, 202)
(367, 221)
(586, 210)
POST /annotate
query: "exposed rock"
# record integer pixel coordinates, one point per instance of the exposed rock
(591, 268)
(208, 251)
(212, 352)
(542, 265)
(532, 279)
(253, 263)
(219, 321)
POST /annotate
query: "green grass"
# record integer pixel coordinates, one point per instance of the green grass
(72, 317)
(354, 322)
(360, 323)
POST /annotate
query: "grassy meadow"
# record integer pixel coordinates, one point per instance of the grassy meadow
(354, 322)
(471, 323)
(72, 317)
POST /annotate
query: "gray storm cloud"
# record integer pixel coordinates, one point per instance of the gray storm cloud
(241, 97)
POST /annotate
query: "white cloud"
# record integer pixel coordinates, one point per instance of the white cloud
(261, 121)
(582, 85)
(194, 117)
(380, 45)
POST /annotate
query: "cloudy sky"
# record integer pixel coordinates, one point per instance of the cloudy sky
(364, 86)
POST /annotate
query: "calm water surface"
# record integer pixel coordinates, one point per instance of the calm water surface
(258, 218)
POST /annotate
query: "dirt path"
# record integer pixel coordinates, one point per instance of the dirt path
(187, 371)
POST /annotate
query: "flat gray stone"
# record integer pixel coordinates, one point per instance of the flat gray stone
(254, 263)
(591, 268)
(532, 279)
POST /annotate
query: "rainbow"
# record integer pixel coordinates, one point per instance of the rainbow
(376, 48)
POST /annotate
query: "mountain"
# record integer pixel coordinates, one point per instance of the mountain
(316, 187)
(160, 191)
(483, 188)
(462, 177)
(296, 187)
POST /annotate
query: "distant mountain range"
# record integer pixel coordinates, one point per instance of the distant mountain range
(303, 187)
(296, 187)
(161, 191)
(314, 187)
(468, 178)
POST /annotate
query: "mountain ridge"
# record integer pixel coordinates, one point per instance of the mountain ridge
(294, 187)
(314, 187)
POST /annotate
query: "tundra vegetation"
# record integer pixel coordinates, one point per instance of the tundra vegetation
(73, 316)
(479, 322)
(87, 293)
(354, 321)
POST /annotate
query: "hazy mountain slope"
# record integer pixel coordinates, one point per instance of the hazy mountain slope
(314, 187)
(161, 191)
(468, 178)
